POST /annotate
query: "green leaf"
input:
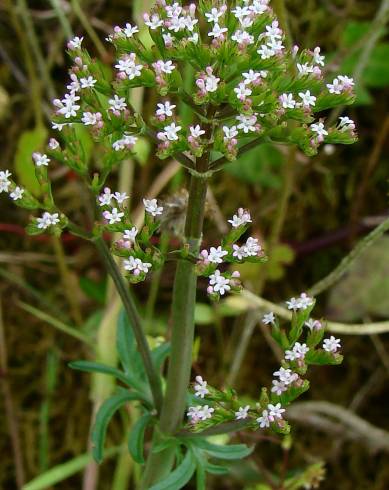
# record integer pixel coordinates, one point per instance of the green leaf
(126, 347)
(322, 358)
(215, 469)
(159, 354)
(103, 417)
(180, 476)
(97, 367)
(84, 141)
(136, 438)
(29, 142)
(230, 452)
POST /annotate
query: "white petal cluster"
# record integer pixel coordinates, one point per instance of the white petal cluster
(200, 387)
(301, 303)
(331, 345)
(127, 142)
(47, 220)
(151, 207)
(242, 413)
(269, 318)
(298, 352)
(136, 266)
(4, 180)
(340, 84)
(113, 216)
(241, 218)
(218, 283)
(271, 414)
(128, 68)
(199, 413)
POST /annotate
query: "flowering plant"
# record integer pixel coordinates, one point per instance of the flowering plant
(250, 86)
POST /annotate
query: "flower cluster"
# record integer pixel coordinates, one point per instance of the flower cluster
(300, 349)
(210, 260)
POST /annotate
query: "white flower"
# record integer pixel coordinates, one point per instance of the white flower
(242, 37)
(194, 413)
(165, 66)
(74, 86)
(230, 133)
(153, 22)
(190, 23)
(217, 31)
(117, 103)
(89, 118)
(136, 266)
(242, 217)
(347, 82)
(239, 252)
(130, 30)
(120, 197)
(269, 318)
(304, 69)
(286, 375)
(278, 387)
(298, 352)
(214, 14)
(259, 6)
(88, 82)
(335, 87)
(275, 411)
(216, 255)
(307, 99)
(346, 124)
(242, 91)
(165, 109)
(194, 38)
(171, 131)
(313, 324)
(317, 58)
(17, 193)
(275, 45)
(247, 123)
(206, 412)
(130, 235)
(273, 31)
(242, 413)
(128, 66)
(300, 303)
(211, 82)
(196, 131)
(251, 77)
(252, 247)
(167, 38)
(200, 387)
(305, 301)
(319, 129)
(151, 206)
(114, 216)
(47, 220)
(287, 101)
(4, 180)
(106, 197)
(53, 144)
(219, 283)
(265, 52)
(240, 12)
(68, 106)
(331, 345)
(263, 420)
(75, 43)
(40, 159)
(128, 141)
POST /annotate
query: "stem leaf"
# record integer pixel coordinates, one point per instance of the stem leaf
(135, 441)
(180, 476)
(103, 417)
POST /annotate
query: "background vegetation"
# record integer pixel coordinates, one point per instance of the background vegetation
(56, 304)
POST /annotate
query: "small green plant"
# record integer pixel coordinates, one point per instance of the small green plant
(250, 87)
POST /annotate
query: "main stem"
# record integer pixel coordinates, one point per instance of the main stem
(184, 299)
(132, 312)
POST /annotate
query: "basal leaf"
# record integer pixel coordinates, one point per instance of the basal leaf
(126, 347)
(230, 452)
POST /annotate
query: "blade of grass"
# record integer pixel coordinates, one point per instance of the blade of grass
(54, 322)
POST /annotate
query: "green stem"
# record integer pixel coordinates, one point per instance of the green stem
(131, 310)
(184, 299)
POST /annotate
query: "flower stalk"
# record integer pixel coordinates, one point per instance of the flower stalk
(133, 315)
